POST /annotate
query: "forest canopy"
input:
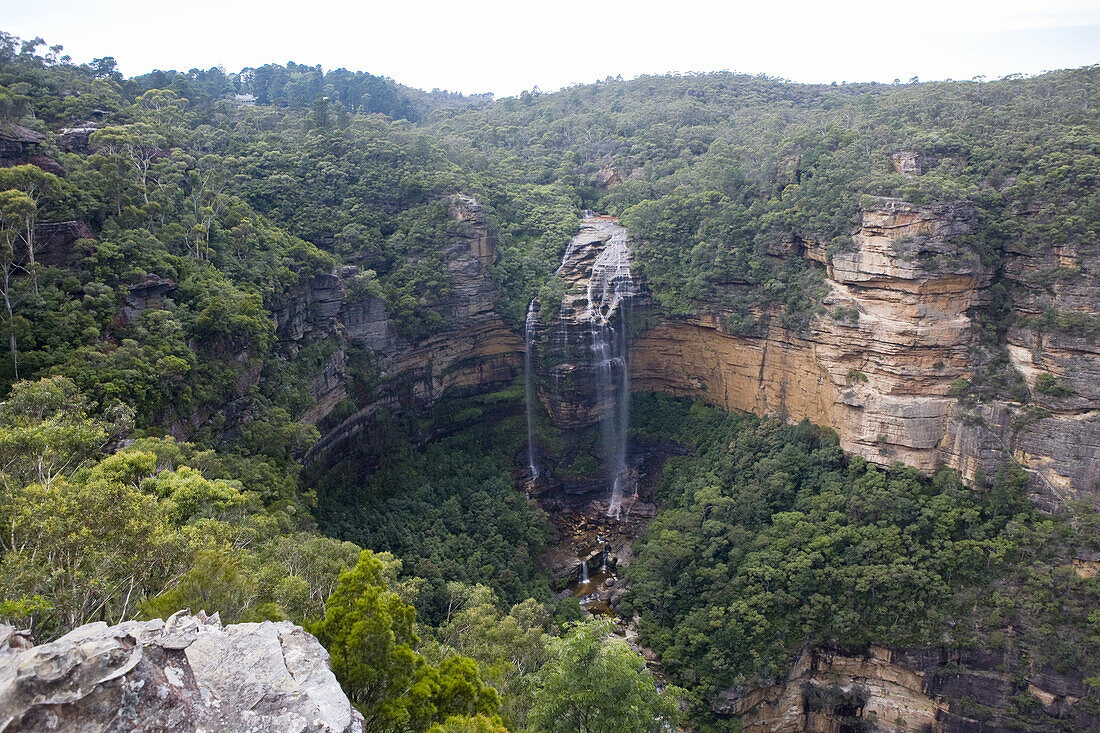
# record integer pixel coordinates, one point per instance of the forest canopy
(169, 241)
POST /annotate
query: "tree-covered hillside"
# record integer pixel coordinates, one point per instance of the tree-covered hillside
(162, 237)
(710, 169)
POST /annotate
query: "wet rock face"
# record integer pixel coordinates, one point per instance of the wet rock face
(579, 359)
(188, 673)
(879, 367)
(596, 273)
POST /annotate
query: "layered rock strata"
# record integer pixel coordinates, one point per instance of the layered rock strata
(185, 674)
(903, 690)
(595, 270)
(475, 350)
(880, 365)
(581, 374)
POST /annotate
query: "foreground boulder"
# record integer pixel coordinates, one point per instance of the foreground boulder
(188, 673)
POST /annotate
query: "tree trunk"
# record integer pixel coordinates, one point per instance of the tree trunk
(11, 321)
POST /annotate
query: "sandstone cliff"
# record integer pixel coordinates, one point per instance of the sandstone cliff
(880, 365)
(184, 674)
(595, 270)
(903, 690)
(474, 351)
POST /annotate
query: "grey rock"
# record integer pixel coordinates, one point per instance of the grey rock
(188, 673)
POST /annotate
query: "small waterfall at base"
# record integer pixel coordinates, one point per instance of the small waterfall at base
(584, 571)
(529, 386)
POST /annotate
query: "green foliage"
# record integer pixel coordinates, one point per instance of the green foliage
(770, 539)
(222, 534)
(369, 632)
(1052, 386)
(447, 509)
(959, 388)
(594, 683)
(46, 432)
(467, 724)
(509, 647)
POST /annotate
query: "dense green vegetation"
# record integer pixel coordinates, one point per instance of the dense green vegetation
(718, 167)
(153, 400)
(213, 530)
(771, 539)
(448, 509)
(78, 510)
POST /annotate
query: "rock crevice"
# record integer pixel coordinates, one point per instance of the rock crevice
(184, 674)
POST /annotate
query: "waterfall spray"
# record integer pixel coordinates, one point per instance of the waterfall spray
(529, 386)
(608, 286)
(596, 318)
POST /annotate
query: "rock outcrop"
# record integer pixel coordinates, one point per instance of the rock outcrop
(185, 674)
(902, 690)
(20, 146)
(911, 163)
(595, 270)
(877, 368)
(579, 358)
(475, 351)
(880, 366)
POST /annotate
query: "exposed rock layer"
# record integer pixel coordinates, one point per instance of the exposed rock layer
(879, 368)
(475, 351)
(189, 673)
(898, 689)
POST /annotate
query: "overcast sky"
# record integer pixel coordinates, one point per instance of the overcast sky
(506, 47)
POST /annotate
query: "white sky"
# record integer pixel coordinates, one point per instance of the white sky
(506, 47)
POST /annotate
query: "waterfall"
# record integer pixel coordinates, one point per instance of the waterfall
(595, 269)
(529, 386)
(608, 285)
(584, 571)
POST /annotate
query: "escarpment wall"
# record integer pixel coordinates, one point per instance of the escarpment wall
(475, 350)
(880, 365)
(909, 689)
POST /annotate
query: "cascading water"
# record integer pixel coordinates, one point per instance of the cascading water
(584, 571)
(589, 381)
(609, 284)
(529, 386)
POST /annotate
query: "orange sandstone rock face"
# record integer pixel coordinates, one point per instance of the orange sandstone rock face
(893, 695)
(902, 690)
(877, 369)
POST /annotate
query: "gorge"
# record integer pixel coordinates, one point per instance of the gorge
(883, 377)
(878, 365)
(801, 431)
